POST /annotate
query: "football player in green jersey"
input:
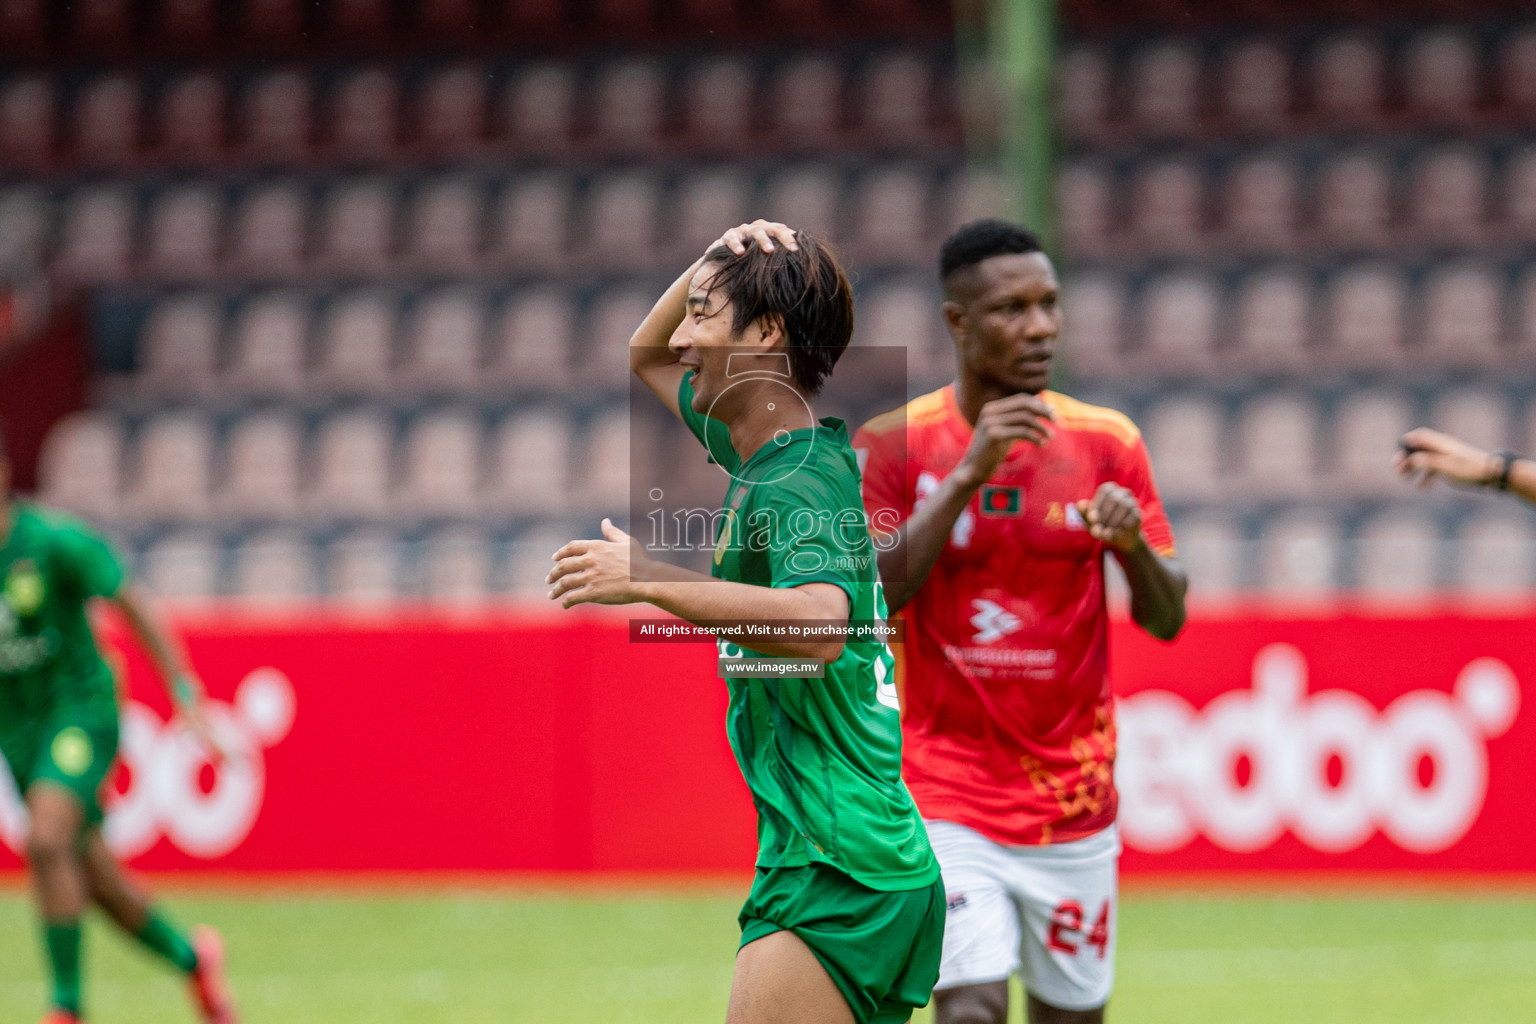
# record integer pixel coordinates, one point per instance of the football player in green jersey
(844, 921)
(59, 735)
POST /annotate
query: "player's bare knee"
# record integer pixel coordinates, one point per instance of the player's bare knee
(49, 846)
(972, 1004)
(1045, 1013)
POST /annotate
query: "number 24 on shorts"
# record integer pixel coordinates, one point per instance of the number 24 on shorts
(1068, 917)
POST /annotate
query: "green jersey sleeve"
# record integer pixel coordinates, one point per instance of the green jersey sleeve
(714, 435)
(90, 560)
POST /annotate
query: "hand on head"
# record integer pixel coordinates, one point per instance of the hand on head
(766, 233)
(1425, 454)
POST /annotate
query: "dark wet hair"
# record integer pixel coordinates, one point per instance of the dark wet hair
(805, 290)
(981, 240)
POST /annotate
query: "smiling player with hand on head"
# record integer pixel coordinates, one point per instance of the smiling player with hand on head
(844, 918)
(1000, 499)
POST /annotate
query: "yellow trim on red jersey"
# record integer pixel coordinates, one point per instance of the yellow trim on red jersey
(921, 411)
(1077, 415)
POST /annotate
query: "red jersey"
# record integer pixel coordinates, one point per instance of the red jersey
(1007, 718)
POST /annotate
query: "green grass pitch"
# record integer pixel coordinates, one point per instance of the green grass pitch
(633, 957)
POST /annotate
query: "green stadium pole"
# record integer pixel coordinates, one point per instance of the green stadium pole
(1022, 51)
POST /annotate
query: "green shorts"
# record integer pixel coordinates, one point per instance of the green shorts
(881, 948)
(74, 750)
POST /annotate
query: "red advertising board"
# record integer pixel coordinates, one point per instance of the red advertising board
(547, 741)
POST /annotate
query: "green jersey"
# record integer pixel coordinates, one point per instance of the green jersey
(50, 566)
(822, 757)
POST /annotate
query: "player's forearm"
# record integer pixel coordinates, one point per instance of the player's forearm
(703, 599)
(648, 345)
(921, 539)
(1522, 479)
(164, 650)
(1158, 586)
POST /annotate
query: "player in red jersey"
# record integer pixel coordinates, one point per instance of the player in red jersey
(993, 551)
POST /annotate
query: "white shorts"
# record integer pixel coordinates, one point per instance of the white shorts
(1048, 912)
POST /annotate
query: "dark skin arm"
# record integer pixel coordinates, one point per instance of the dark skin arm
(1158, 583)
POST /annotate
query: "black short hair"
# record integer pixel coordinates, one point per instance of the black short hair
(805, 289)
(981, 240)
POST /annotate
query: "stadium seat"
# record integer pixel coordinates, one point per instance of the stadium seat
(354, 20)
(273, 568)
(1165, 88)
(1449, 196)
(173, 464)
(709, 202)
(806, 199)
(79, 467)
(106, 122)
(807, 102)
(100, 23)
(96, 243)
(442, 465)
(356, 342)
(1525, 314)
(531, 226)
(179, 346)
(1184, 436)
(1211, 549)
(443, 342)
(1477, 415)
(456, 567)
(443, 231)
(890, 215)
(1440, 76)
(276, 125)
(719, 104)
(895, 93)
(1397, 557)
(538, 108)
(1166, 207)
(184, 225)
(970, 194)
(261, 477)
(187, 21)
(353, 455)
(905, 314)
(603, 484)
(529, 560)
(1348, 74)
(621, 220)
(1366, 316)
(268, 238)
(182, 567)
(191, 118)
(1092, 323)
(531, 18)
(1367, 426)
(1256, 86)
(1085, 208)
(603, 364)
(23, 24)
(1084, 83)
(363, 112)
(1181, 316)
(1299, 555)
(363, 568)
(1462, 315)
(274, 19)
(357, 228)
(530, 466)
(1261, 205)
(628, 104)
(531, 341)
(1495, 558)
(1355, 201)
(1274, 320)
(25, 213)
(1519, 195)
(26, 122)
(1517, 73)
(1277, 437)
(451, 109)
(268, 347)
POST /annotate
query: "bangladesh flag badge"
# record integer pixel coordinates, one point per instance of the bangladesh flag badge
(1007, 502)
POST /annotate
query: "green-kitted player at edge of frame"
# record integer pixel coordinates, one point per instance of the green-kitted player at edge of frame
(59, 735)
(845, 918)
